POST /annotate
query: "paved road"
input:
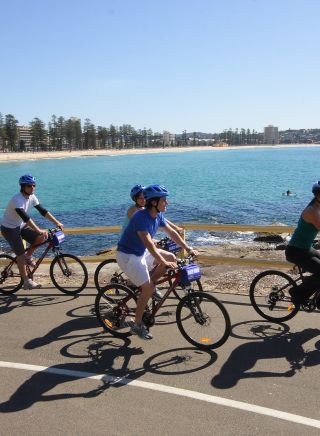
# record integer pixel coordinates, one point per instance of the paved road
(265, 379)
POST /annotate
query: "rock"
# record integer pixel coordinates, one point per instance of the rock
(270, 238)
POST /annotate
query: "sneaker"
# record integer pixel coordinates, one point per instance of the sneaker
(30, 262)
(298, 296)
(141, 331)
(157, 295)
(30, 284)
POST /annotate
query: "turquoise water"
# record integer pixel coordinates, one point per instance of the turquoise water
(219, 186)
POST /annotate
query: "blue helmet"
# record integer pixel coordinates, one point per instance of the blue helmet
(316, 187)
(155, 191)
(27, 179)
(135, 191)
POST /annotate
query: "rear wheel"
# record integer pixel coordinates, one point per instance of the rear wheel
(10, 278)
(107, 272)
(270, 298)
(68, 273)
(203, 320)
(115, 308)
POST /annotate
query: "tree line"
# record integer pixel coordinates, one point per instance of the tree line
(71, 134)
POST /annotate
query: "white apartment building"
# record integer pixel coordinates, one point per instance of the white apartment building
(24, 134)
(168, 138)
(271, 135)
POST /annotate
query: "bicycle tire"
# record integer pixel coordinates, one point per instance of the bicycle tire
(180, 291)
(106, 272)
(270, 298)
(203, 320)
(68, 274)
(115, 308)
(10, 278)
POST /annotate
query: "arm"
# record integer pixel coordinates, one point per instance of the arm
(46, 214)
(173, 234)
(179, 230)
(131, 211)
(312, 216)
(149, 244)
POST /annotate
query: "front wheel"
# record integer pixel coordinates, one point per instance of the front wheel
(270, 298)
(10, 278)
(115, 308)
(68, 273)
(203, 320)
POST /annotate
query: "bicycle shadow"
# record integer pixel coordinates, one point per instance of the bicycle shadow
(109, 358)
(285, 345)
(11, 302)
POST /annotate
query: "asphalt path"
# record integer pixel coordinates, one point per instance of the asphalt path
(60, 374)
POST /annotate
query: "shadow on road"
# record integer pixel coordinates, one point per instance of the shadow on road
(265, 345)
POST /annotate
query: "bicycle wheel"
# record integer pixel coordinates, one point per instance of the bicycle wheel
(68, 273)
(115, 308)
(180, 291)
(107, 272)
(10, 278)
(270, 298)
(203, 320)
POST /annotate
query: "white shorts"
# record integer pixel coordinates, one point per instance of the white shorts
(136, 268)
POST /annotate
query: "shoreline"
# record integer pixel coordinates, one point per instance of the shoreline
(39, 155)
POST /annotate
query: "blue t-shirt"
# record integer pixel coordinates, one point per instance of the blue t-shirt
(130, 242)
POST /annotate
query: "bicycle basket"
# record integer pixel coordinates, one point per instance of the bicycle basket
(171, 246)
(58, 238)
(189, 273)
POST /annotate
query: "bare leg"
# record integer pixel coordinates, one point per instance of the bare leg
(146, 292)
(21, 262)
(39, 240)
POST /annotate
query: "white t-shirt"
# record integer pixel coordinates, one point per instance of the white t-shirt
(10, 217)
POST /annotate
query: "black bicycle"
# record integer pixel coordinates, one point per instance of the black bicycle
(67, 272)
(108, 271)
(270, 298)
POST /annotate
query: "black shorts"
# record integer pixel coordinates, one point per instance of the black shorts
(14, 238)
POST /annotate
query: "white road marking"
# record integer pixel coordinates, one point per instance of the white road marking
(169, 390)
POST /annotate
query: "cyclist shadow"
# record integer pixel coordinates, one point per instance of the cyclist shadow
(11, 302)
(36, 387)
(288, 346)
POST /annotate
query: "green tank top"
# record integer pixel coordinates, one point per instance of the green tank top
(304, 235)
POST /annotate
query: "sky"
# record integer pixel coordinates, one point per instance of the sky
(195, 65)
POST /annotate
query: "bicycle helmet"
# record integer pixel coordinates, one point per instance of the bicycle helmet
(135, 191)
(155, 191)
(27, 179)
(316, 187)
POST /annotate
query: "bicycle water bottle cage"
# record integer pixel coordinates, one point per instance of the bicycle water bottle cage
(189, 273)
(58, 238)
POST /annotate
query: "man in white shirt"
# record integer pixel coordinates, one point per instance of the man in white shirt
(17, 225)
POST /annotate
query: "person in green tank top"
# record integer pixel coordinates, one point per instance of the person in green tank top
(300, 249)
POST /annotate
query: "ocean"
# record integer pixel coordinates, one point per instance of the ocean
(243, 186)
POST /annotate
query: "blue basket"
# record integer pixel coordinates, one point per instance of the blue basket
(58, 238)
(172, 247)
(189, 273)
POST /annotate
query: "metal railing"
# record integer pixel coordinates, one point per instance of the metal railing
(205, 259)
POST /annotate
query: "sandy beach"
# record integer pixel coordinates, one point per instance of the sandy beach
(6, 157)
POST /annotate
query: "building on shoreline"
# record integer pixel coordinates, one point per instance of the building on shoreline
(271, 135)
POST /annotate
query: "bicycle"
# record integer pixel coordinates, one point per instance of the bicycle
(68, 279)
(201, 319)
(108, 270)
(270, 298)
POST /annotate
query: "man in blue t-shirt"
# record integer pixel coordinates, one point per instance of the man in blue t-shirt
(137, 253)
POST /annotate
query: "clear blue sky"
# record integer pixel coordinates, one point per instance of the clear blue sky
(199, 65)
